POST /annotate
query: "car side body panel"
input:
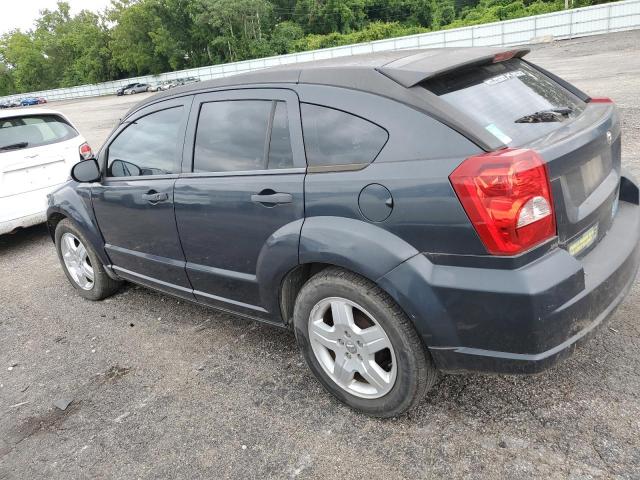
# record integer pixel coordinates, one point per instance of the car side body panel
(279, 256)
(227, 236)
(352, 244)
(424, 210)
(396, 220)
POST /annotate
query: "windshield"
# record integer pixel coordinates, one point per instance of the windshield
(512, 100)
(33, 131)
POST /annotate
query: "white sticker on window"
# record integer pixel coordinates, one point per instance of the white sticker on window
(504, 76)
(499, 134)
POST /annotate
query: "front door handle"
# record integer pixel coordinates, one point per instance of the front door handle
(272, 198)
(155, 197)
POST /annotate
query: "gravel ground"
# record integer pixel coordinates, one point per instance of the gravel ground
(164, 389)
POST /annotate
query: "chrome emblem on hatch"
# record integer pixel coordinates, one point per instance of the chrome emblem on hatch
(609, 137)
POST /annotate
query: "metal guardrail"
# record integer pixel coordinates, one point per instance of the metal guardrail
(579, 22)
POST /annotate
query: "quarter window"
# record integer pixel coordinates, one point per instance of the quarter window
(242, 135)
(280, 154)
(149, 146)
(333, 137)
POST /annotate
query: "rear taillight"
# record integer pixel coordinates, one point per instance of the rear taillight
(600, 100)
(507, 197)
(504, 56)
(85, 151)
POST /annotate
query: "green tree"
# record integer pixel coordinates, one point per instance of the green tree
(284, 37)
(27, 61)
(234, 30)
(131, 40)
(422, 12)
(7, 85)
(75, 47)
(137, 37)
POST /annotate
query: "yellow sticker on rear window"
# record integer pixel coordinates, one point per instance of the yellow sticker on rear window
(583, 241)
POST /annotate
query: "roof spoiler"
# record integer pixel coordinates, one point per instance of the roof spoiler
(414, 69)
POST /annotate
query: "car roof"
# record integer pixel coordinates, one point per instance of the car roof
(391, 73)
(406, 67)
(23, 112)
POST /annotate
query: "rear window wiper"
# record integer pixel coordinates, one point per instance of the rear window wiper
(14, 146)
(552, 115)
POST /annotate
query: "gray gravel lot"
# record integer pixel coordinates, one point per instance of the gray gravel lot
(164, 389)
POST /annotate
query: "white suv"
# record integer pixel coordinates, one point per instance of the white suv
(38, 147)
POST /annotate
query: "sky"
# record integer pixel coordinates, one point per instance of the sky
(23, 13)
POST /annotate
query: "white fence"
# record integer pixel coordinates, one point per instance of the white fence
(579, 22)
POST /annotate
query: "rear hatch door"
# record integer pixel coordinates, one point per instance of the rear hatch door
(523, 108)
(36, 151)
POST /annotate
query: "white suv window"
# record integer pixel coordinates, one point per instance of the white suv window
(33, 131)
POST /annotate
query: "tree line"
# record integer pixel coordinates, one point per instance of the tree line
(139, 37)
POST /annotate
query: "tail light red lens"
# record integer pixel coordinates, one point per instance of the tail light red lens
(600, 100)
(504, 56)
(85, 151)
(507, 197)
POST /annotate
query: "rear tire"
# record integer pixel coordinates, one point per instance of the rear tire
(81, 265)
(360, 345)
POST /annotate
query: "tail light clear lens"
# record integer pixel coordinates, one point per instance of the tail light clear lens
(85, 151)
(507, 196)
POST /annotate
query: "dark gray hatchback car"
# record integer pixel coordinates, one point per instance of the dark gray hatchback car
(403, 212)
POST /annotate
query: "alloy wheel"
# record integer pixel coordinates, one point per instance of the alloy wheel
(77, 261)
(352, 348)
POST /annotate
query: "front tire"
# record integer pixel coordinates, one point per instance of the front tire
(360, 345)
(81, 265)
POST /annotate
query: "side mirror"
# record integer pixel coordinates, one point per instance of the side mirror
(86, 171)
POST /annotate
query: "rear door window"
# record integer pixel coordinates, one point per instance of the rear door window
(334, 137)
(34, 131)
(504, 98)
(242, 135)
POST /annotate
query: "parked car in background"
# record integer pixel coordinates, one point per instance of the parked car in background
(404, 213)
(41, 100)
(189, 80)
(137, 88)
(38, 147)
(170, 84)
(25, 102)
(5, 104)
(157, 86)
(121, 90)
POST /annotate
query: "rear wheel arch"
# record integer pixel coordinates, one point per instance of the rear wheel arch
(356, 245)
(413, 371)
(293, 282)
(291, 285)
(353, 245)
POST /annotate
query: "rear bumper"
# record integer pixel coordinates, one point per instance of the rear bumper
(522, 320)
(24, 209)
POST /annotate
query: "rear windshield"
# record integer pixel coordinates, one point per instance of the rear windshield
(33, 131)
(503, 98)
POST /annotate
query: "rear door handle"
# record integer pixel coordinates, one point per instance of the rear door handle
(272, 198)
(155, 197)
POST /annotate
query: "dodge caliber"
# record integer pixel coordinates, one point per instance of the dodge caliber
(404, 213)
